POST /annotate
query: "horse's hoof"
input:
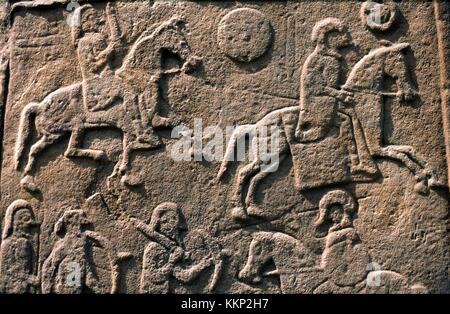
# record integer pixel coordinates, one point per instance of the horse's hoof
(254, 211)
(239, 213)
(422, 188)
(130, 180)
(28, 184)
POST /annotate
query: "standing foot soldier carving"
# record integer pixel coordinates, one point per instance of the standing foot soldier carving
(165, 253)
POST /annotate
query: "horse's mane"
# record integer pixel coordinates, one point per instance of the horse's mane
(157, 28)
(376, 53)
(148, 35)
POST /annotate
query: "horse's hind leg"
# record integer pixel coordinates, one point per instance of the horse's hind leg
(243, 175)
(265, 171)
(74, 150)
(46, 140)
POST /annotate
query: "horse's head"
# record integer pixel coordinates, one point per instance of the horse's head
(258, 256)
(173, 40)
(145, 58)
(370, 73)
(396, 65)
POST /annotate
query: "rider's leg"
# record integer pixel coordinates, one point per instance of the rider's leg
(73, 149)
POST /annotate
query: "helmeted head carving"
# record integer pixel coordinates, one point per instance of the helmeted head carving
(336, 207)
(331, 32)
(19, 217)
(167, 220)
(86, 19)
(72, 221)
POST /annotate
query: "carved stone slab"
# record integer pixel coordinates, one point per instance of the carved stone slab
(224, 147)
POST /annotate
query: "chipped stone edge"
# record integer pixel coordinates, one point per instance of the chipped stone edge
(442, 16)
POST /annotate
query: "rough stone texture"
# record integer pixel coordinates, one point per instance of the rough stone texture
(92, 199)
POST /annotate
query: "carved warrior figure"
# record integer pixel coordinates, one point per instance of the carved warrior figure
(320, 93)
(163, 256)
(344, 258)
(344, 125)
(342, 266)
(18, 252)
(101, 85)
(63, 111)
(68, 268)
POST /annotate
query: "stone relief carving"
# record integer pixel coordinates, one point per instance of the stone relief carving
(18, 261)
(78, 107)
(328, 121)
(342, 180)
(166, 256)
(68, 269)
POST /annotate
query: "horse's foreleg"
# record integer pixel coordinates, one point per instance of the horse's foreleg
(400, 154)
(416, 164)
(244, 174)
(124, 165)
(27, 181)
(74, 150)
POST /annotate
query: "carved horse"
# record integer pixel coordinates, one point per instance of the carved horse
(62, 112)
(296, 271)
(366, 82)
(299, 275)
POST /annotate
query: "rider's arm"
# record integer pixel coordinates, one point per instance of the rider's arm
(105, 56)
(101, 240)
(114, 37)
(189, 274)
(152, 260)
(331, 72)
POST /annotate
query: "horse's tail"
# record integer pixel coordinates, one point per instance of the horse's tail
(24, 130)
(240, 131)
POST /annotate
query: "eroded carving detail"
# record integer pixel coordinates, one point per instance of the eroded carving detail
(379, 17)
(244, 34)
